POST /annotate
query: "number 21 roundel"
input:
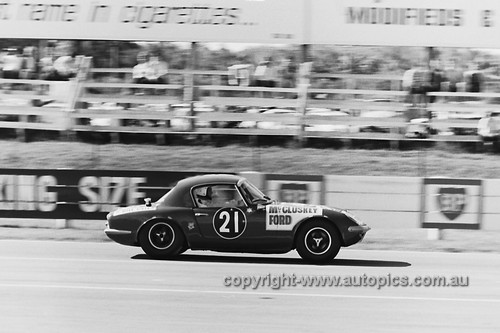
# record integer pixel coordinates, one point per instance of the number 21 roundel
(229, 223)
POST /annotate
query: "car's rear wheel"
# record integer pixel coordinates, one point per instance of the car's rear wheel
(161, 239)
(318, 242)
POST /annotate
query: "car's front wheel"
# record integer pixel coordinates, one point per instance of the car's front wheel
(161, 239)
(318, 242)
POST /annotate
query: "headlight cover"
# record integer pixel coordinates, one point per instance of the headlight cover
(352, 217)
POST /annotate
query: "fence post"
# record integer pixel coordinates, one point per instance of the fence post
(81, 76)
(189, 97)
(189, 83)
(303, 82)
(21, 132)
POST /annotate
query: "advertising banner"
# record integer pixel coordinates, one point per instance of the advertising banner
(295, 188)
(452, 203)
(443, 23)
(79, 194)
(241, 21)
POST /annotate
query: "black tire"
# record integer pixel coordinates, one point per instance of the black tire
(162, 240)
(317, 242)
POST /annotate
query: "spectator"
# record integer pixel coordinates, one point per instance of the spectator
(260, 74)
(157, 70)
(266, 74)
(453, 77)
(474, 81)
(139, 71)
(288, 72)
(64, 66)
(29, 68)
(12, 64)
(239, 74)
(46, 63)
(417, 83)
(436, 80)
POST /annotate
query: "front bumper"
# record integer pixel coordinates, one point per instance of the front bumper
(117, 232)
(124, 237)
(355, 234)
(359, 228)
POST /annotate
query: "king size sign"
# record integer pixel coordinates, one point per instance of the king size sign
(78, 194)
(452, 203)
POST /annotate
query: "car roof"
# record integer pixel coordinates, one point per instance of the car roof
(209, 178)
(183, 187)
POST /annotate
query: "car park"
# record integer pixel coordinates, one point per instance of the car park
(227, 213)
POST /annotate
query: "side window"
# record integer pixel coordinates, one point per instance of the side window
(222, 195)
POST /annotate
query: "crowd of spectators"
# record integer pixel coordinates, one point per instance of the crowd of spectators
(55, 62)
(418, 82)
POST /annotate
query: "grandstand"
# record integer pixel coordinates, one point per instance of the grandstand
(346, 106)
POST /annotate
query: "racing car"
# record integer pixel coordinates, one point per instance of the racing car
(227, 213)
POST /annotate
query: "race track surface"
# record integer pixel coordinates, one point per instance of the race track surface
(48, 286)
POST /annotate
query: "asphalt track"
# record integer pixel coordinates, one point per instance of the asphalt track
(50, 286)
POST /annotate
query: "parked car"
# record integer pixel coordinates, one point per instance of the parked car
(280, 119)
(182, 115)
(227, 213)
(488, 127)
(418, 128)
(330, 120)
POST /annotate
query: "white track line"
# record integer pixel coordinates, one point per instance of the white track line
(246, 293)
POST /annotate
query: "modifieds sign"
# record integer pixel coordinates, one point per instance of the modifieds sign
(452, 203)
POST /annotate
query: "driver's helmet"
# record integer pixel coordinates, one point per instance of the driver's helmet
(203, 194)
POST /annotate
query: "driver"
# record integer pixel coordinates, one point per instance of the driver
(216, 196)
(223, 197)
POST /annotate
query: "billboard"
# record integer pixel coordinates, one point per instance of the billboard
(452, 203)
(443, 23)
(241, 21)
(295, 188)
(79, 194)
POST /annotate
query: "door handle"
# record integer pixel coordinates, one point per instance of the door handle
(200, 214)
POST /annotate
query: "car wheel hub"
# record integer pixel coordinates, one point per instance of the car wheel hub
(318, 241)
(161, 236)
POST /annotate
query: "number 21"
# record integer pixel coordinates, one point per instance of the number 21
(227, 219)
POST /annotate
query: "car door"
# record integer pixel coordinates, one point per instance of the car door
(232, 225)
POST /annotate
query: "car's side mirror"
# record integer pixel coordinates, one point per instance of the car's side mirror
(147, 202)
(261, 207)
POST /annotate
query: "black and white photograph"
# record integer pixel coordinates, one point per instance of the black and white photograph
(249, 166)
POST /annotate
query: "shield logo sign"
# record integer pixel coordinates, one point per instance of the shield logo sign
(452, 201)
(294, 192)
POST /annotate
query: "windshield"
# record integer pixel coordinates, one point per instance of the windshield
(253, 194)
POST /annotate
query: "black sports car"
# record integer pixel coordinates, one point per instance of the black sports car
(227, 213)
